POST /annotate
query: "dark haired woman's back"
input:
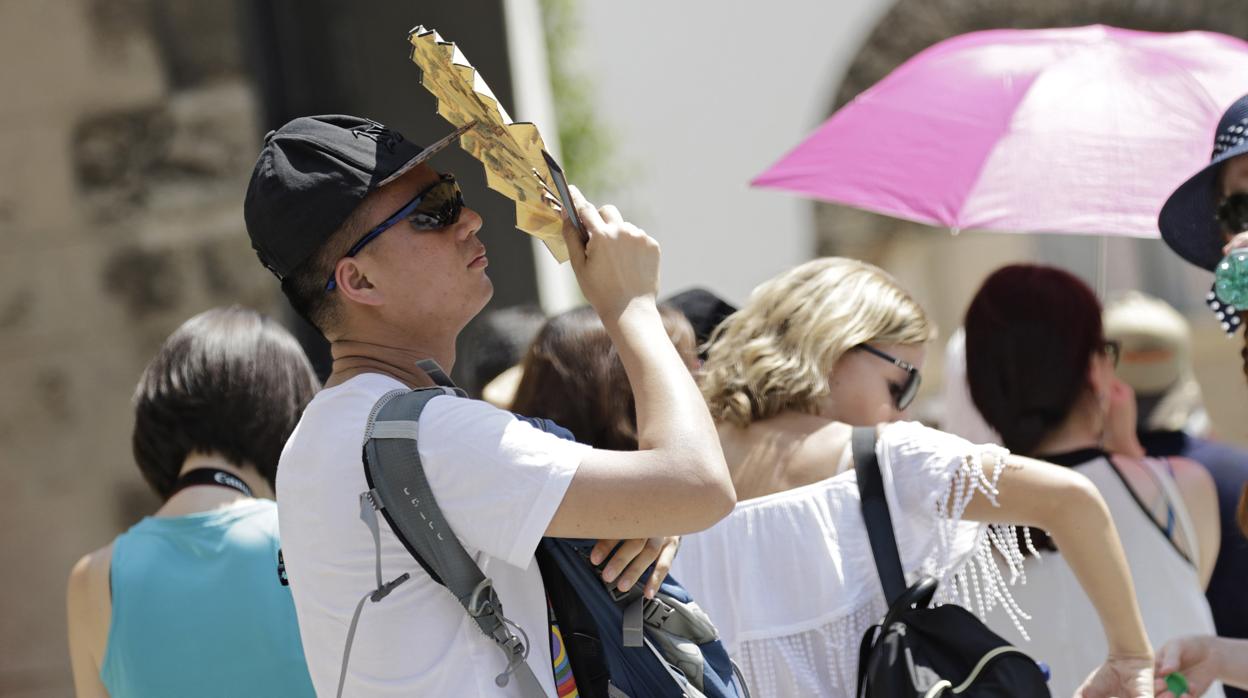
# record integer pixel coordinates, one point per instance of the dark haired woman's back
(1042, 374)
(197, 607)
(1159, 539)
(192, 601)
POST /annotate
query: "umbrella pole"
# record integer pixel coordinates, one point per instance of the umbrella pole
(1102, 266)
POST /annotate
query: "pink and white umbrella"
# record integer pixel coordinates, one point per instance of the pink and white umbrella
(1083, 130)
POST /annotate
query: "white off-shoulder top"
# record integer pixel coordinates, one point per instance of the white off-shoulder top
(789, 578)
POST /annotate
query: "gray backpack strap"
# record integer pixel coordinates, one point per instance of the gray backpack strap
(400, 491)
(437, 375)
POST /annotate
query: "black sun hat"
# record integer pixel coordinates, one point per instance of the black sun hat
(310, 176)
(1188, 221)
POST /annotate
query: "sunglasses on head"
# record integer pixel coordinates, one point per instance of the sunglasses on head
(435, 207)
(905, 393)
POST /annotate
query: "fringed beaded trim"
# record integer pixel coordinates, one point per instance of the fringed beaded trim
(978, 583)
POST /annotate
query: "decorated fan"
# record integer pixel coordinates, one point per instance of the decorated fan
(511, 151)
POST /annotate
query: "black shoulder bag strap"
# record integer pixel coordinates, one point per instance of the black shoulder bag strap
(875, 513)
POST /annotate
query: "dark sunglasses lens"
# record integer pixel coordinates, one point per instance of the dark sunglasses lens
(439, 207)
(1113, 350)
(1233, 213)
(909, 390)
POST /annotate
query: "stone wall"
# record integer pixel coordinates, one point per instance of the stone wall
(127, 129)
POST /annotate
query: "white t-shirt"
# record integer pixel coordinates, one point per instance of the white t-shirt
(498, 480)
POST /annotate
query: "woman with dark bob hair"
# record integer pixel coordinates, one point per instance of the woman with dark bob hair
(1042, 374)
(191, 600)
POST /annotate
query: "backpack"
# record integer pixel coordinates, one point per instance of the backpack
(619, 644)
(918, 651)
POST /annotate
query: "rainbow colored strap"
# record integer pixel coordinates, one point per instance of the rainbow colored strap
(565, 683)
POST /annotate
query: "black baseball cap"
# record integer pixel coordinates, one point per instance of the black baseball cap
(704, 310)
(310, 176)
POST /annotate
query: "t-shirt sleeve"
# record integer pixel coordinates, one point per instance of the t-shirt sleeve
(497, 479)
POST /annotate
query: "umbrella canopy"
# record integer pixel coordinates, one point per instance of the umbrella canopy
(1083, 130)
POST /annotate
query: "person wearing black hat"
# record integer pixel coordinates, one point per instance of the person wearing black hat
(1207, 216)
(1201, 217)
(379, 252)
(1203, 220)
(704, 310)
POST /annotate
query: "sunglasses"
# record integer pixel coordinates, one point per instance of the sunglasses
(905, 393)
(436, 207)
(1232, 213)
(1113, 349)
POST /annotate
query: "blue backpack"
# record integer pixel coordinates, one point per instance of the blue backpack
(619, 644)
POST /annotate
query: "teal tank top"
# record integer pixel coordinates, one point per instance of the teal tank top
(199, 609)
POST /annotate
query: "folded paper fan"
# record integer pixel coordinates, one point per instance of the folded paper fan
(510, 151)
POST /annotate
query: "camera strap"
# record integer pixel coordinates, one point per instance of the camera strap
(211, 476)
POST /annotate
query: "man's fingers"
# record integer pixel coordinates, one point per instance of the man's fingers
(610, 214)
(601, 550)
(590, 217)
(628, 550)
(647, 556)
(661, 567)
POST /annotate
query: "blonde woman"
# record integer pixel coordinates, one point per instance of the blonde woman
(789, 575)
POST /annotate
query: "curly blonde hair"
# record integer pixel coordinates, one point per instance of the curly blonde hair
(776, 354)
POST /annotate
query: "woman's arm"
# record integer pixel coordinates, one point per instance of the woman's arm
(89, 611)
(1200, 496)
(1068, 506)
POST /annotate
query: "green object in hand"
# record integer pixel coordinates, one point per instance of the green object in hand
(1176, 683)
(1230, 279)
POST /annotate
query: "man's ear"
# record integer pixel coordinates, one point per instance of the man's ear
(351, 276)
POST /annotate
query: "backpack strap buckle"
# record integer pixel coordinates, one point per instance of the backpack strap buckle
(483, 599)
(657, 613)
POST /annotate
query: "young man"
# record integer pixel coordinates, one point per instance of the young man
(377, 250)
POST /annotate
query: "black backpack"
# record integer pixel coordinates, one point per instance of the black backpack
(921, 652)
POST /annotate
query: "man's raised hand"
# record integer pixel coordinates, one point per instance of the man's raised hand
(618, 265)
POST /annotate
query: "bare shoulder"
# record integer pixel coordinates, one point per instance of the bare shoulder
(91, 567)
(89, 611)
(790, 435)
(827, 437)
(1193, 479)
(88, 598)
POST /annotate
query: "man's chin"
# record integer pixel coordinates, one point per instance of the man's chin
(486, 294)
